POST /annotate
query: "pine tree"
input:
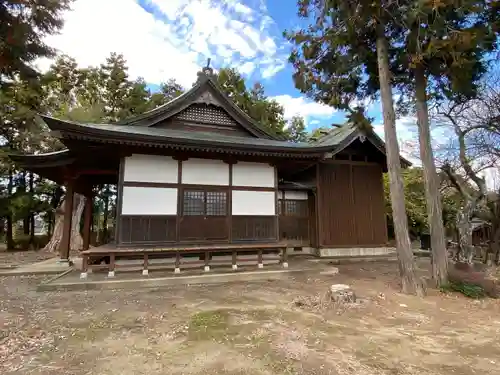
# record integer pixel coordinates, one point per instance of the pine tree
(296, 130)
(24, 24)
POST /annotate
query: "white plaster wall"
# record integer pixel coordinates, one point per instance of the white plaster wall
(253, 174)
(149, 201)
(205, 172)
(296, 195)
(151, 168)
(254, 203)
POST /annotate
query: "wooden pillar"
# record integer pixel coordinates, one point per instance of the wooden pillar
(64, 245)
(87, 220)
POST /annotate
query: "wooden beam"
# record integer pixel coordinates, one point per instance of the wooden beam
(64, 245)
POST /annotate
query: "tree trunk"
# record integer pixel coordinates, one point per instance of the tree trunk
(105, 215)
(495, 245)
(32, 212)
(434, 209)
(76, 241)
(411, 283)
(49, 224)
(9, 231)
(26, 219)
(465, 252)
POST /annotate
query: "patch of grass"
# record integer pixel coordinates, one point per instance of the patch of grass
(467, 289)
(208, 324)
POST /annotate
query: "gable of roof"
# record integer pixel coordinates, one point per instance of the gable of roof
(341, 137)
(206, 91)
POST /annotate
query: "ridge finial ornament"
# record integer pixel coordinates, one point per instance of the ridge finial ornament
(206, 71)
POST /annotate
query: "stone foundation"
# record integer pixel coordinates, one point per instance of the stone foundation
(355, 252)
(301, 250)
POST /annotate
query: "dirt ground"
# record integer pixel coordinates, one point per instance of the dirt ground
(248, 328)
(16, 258)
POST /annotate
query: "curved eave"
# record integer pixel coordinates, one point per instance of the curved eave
(373, 138)
(69, 130)
(48, 160)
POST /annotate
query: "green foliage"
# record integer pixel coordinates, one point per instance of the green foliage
(415, 202)
(24, 24)
(296, 130)
(208, 324)
(335, 60)
(467, 289)
(267, 112)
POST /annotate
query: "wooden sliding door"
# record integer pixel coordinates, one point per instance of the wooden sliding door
(204, 214)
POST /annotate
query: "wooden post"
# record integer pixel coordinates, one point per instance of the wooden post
(177, 262)
(87, 220)
(85, 264)
(145, 270)
(235, 262)
(64, 245)
(111, 272)
(284, 258)
(260, 264)
(207, 261)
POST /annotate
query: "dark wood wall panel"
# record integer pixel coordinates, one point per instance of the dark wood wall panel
(147, 229)
(253, 228)
(335, 205)
(362, 205)
(351, 205)
(377, 199)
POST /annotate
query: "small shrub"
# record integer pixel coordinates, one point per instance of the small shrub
(468, 290)
(463, 279)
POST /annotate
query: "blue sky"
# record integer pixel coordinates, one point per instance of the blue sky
(164, 39)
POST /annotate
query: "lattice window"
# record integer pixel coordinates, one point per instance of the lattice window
(293, 207)
(210, 203)
(216, 203)
(194, 203)
(208, 114)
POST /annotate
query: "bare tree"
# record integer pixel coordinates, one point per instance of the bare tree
(476, 126)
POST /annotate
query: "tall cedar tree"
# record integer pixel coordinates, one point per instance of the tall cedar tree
(445, 47)
(23, 25)
(345, 56)
(433, 45)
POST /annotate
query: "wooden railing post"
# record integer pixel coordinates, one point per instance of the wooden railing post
(207, 261)
(145, 270)
(260, 264)
(111, 272)
(234, 260)
(85, 264)
(177, 262)
(284, 258)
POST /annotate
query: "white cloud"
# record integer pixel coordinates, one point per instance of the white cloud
(314, 122)
(303, 107)
(170, 40)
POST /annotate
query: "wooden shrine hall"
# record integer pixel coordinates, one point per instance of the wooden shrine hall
(198, 175)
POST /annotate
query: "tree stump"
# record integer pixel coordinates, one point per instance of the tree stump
(342, 294)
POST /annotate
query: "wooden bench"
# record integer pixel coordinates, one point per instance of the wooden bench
(177, 252)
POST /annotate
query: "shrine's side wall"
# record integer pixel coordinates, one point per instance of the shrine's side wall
(163, 200)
